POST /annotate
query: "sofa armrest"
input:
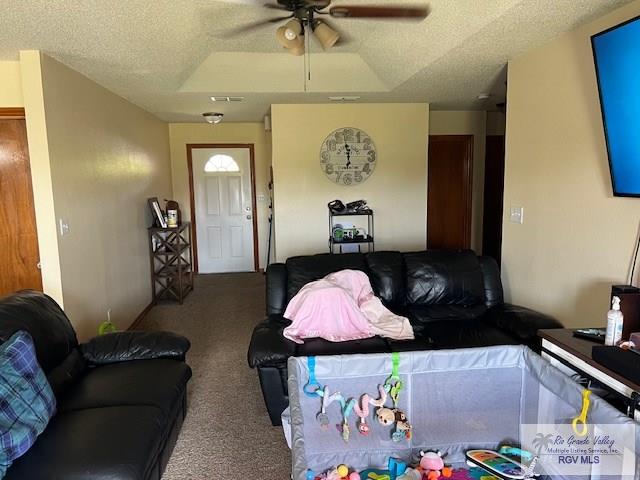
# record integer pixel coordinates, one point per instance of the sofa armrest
(276, 288)
(269, 347)
(125, 346)
(520, 322)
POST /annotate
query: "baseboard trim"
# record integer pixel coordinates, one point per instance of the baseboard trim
(140, 317)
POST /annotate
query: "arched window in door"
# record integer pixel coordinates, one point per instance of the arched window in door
(221, 163)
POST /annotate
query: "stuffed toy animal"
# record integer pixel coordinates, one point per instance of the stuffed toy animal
(389, 416)
(432, 464)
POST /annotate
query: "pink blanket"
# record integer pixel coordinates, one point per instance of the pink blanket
(342, 307)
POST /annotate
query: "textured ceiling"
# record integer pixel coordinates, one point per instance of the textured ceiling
(169, 56)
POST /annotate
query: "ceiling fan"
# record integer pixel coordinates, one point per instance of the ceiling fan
(303, 15)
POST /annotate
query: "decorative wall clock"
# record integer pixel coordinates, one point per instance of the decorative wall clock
(348, 156)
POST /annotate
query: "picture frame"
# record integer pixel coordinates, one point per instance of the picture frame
(156, 212)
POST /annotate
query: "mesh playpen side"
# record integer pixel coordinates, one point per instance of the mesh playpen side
(455, 400)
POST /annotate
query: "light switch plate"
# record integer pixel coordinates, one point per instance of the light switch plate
(517, 215)
(63, 225)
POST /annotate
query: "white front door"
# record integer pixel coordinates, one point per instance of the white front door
(223, 209)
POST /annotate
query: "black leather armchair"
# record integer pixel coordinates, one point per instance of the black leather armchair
(453, 299)
(121, 397)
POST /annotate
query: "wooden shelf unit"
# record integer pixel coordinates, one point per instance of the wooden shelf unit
(171, 257)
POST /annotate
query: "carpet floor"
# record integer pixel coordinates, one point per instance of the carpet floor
(227, 433)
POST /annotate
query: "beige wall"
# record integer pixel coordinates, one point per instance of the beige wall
(181, 134)
(106, 157)
(467, 123)
(396, 190)
(10, 84)
(577, 239)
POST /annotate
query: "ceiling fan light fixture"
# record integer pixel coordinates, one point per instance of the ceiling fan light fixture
(290, 34)
(213, 117)
(326, 35)
(297, 50)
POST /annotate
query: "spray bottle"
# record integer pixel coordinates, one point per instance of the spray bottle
(615, 321)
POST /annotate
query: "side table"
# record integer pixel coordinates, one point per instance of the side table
(565, 351)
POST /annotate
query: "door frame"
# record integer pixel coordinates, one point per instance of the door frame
(192, 201)
(468, 182)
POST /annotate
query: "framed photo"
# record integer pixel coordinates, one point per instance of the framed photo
(156, 212)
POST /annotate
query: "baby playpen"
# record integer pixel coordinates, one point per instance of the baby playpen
(454, 400)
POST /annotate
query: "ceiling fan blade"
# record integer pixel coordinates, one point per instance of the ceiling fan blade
(273, 6)
(254, 25)
(375, 11)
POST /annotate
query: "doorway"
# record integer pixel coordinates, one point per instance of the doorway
(19, 256)
(223, 207)
(449, 189)
(493, 197)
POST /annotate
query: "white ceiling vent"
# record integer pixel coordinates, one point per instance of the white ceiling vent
(227, 99)
(345, 98)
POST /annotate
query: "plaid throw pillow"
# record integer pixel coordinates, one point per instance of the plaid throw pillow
(26, 399)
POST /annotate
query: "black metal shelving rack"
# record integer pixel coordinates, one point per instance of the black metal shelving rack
(368, 240)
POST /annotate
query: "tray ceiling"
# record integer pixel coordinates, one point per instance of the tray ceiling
(170, 56)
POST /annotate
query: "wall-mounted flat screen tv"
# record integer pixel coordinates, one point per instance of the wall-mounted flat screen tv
(616, 53)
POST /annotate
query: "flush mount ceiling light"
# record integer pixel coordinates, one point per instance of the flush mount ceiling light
(213, 117)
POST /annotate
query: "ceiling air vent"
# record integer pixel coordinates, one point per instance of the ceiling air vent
(345, 98)
(227, 99)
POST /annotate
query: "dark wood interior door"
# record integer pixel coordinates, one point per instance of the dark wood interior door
(493, 197)
(449, 191)
(19, 255)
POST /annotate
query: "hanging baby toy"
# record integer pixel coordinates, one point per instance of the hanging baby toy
(327, 399)
(362, 411)
(388, 416)
(314, 389)
(346, 407)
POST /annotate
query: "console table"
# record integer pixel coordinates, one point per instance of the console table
(565, 351)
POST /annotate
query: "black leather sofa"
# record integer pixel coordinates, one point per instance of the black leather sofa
(453, 299)
(121, 397)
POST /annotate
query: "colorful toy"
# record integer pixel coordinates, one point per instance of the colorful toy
(322, 417)
(432, 464)
(385, 415)
(383, 397)
(362, 411)
(375, 474)
(500, 466)
(396, 467)
(516, 452)
(410, 474)
(471, 474)
(579, 423)
(346, 407)
(388, 416)
(343, 470)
